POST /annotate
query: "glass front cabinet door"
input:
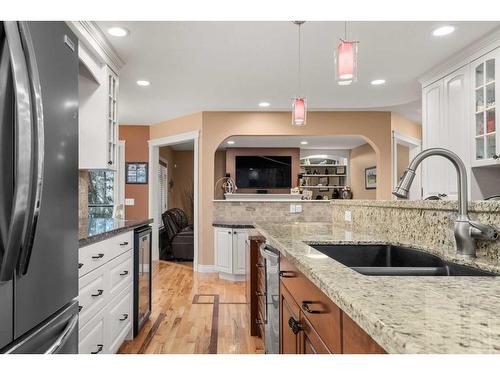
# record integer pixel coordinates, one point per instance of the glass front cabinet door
(486, 143)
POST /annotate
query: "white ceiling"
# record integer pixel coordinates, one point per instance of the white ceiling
(207, 66)
(314, 142)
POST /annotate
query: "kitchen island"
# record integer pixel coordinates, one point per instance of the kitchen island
(402, 314)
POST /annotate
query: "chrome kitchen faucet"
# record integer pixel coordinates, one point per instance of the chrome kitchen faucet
(466, 230)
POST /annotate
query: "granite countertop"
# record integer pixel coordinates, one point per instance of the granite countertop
(232, 224)
(403, 314)
(95, 230)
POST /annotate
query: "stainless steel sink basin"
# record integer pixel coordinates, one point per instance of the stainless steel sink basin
(388, 260)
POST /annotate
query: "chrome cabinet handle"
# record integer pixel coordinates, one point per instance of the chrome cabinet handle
(305, 306)
(124, 273)
(98, 256)
(63, 337)
(124, 317)
(99, 349)
(295, 325)
(260, 294)
(99, 293)
(23, 145)
(125, 243)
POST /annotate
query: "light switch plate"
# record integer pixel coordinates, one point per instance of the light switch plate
(298, 208)
(347, 215)
(129, 201)
(292, 208)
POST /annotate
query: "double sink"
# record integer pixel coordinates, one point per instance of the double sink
(389, 260)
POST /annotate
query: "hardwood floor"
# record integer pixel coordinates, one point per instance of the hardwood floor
(195, 313)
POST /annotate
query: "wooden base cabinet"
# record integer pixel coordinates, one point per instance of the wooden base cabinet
(255, 285)
(310, 323)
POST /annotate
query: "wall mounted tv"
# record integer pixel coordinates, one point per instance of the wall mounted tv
(263, 172)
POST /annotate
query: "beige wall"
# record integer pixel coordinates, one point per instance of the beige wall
(231, 154)
(360, 158)
(403, 160)
(375, 127)
(220, 171)
(404, 126)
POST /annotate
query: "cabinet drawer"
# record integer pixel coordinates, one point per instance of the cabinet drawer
(92, 294)
(120, 272)
(91, 336)
(119, 319)
(320, 311)
(95, 255)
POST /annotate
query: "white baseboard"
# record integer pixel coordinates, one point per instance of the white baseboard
(206, 268)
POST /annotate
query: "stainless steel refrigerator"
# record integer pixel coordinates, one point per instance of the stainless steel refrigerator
(38, 188)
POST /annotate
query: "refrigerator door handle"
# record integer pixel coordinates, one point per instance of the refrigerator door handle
(65, 334)
(22, 190)
(38, 156)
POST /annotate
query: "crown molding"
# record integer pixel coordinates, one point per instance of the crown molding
(93, 38)
(463, 57)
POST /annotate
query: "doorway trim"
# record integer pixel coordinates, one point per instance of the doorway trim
(415, 146)
(154, 157)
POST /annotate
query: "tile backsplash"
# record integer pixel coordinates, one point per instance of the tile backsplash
(271, 211)
(83, 195)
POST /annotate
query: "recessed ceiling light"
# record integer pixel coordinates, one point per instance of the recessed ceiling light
(264, 104)
(443, 30)
(344, 83)
(230, 142)
(117, 31)
(377, 82)
(143, 82)
(304, 142)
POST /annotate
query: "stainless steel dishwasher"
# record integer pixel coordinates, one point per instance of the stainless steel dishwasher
(272, 295)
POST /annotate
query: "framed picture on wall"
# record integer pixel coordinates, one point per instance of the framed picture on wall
(371, 178)
(137, 173)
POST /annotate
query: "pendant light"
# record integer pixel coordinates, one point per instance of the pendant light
(299, 103)
(346, 56)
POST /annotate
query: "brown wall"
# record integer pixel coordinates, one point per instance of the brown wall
(180, 166)
(231, 154)
(360, 158)
(136, 150)
(182, 190)
(167, 154)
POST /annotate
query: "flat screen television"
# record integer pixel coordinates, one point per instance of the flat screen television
(263, 172)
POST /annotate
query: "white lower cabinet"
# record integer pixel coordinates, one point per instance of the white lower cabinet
(91, 336)
(118, 320)
(106, 296)
(230, 245)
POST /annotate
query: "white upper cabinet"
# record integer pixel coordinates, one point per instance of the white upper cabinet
(445, 125)
(98, 116)
(483, 116)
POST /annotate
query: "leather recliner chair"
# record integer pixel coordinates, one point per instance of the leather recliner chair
(180, 235)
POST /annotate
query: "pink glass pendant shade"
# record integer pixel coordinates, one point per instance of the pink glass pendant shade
(346, 60)
(299, 113)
